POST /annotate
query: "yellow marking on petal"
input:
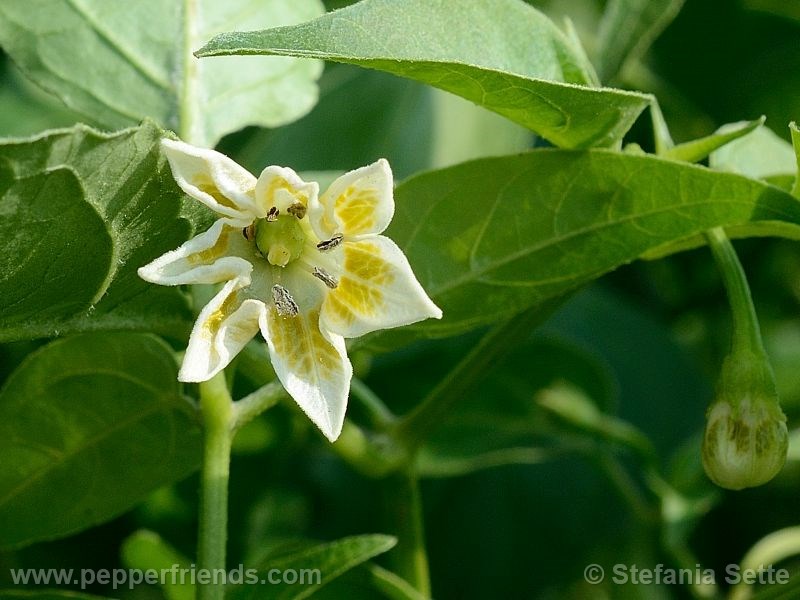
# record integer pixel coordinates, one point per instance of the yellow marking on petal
(356, 208)
(204, 183)
(280, 184)
(298, 340)
(209, 255)
(214, 321)
(359, 290)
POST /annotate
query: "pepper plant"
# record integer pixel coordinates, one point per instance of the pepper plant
(232, 340)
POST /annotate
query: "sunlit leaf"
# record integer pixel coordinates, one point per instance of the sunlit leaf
(491, 237)
(82, 211)
(149, 71)
(501, 54)
(760, 155)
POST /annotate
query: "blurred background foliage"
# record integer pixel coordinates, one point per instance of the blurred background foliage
(643, 345)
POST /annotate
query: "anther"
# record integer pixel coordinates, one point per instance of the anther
(273, 213)
(284, 302)
(325, 277)
(249, 232)
(298, 209)
(330, 244)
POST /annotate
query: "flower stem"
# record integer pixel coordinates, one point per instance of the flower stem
(252, 405)
(379, 413)
(216, 408)
(187, 113)
(746, 332)
(404, 506)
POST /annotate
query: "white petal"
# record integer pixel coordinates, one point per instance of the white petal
(212, 178)
(281, 187)
(224, 326)
(376, 290)
(360, 202)
(213, 256)
(312, 365)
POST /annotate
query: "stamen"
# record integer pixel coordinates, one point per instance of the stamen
(249, 232)
(325, 277)
(298, 209)
(273, 213)
(284, 302)
(330, 244)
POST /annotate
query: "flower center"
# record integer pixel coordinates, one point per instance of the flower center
(280, 238)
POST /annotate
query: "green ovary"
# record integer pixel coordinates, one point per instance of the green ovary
(281, 241)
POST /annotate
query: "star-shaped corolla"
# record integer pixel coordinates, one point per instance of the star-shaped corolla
(305, 270)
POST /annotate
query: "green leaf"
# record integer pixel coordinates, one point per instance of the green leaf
(501, 54)
(319, 565)
(49, 233)
(146, 550)
(142, 66)
(89, 426)
(492, 237)
(85, 210)
(24, 108)
(628, 28)
(760, 155)
(697, 150)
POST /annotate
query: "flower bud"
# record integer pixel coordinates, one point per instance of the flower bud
(746, 439)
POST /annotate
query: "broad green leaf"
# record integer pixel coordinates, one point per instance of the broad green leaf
(317, 565)
(24, 108)
(501, 54)
(697, 150)
(491, 237)
(142, 64)
(146, 550)
(89, 426)
(49, 233)
(85, 210)
(628, 28)
(761, 154)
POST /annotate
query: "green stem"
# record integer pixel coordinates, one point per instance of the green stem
(379, 413)
(188, 102)
(252, 405)
(404, 506)
(216, 409)
(746, 332)
(415, 427)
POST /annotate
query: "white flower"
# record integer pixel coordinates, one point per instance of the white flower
(306, 270)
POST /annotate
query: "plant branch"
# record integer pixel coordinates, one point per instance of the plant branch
(746, 332)
(216, 410)
(252, 405)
